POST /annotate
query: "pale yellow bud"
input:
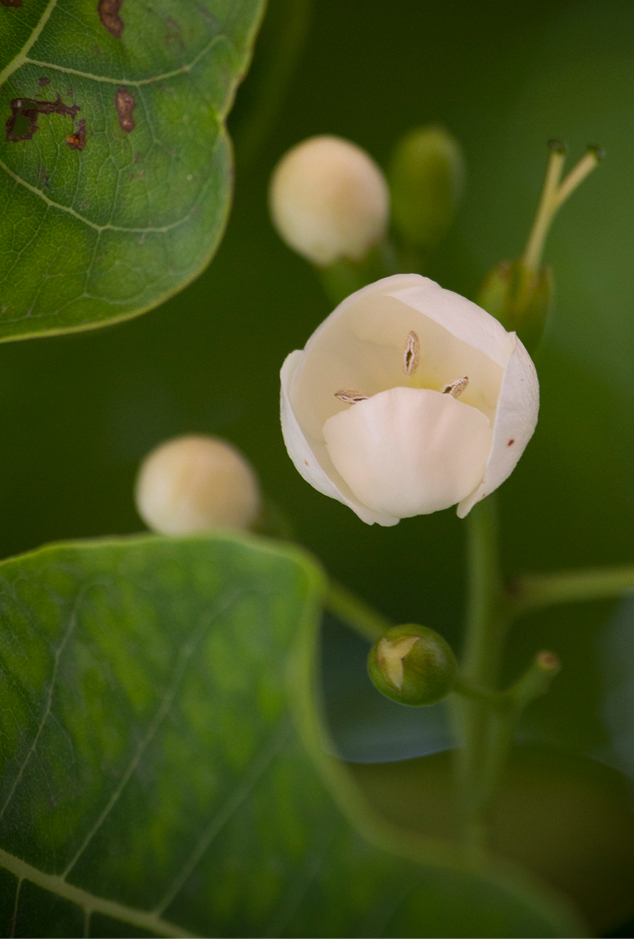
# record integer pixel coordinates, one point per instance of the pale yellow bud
(329, 200)
(194, 483)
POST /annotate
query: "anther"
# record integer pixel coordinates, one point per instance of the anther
(411, 355)
(351, 397)
(455, 388)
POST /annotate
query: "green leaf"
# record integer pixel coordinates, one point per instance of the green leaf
(115, 165)
(163, 772)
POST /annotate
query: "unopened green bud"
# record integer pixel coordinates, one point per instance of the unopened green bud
(412, 665)
(426, 179)
(519, 298)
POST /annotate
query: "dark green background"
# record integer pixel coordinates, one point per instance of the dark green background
(79, 412)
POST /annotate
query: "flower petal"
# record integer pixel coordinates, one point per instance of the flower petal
(308, 457)
(461, 317)
(515, 422)
(409, 451)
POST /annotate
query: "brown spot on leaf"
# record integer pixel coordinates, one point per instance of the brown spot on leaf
(77, 141)
(173, 33)
(43, 177)
(24, 113)
(510, 443)
(16, 4)
(125, 105)
(43, 81)
(108, 11)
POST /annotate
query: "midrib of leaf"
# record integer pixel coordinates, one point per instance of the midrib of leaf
(20, 58)
(88, 901)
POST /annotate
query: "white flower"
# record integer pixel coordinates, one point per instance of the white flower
(329, 200)
(194, 483)
(406, 400)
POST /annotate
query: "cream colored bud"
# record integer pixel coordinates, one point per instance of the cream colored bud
(194, 483)
(329, 200)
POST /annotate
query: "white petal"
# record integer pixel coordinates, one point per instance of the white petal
(461, 317)
(360, 346)
(308, 457)
(515, 423)
(409, 451)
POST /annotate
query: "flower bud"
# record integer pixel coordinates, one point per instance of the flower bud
(329, 200)
(194, 483)
(406, 400)
(426, 179)
(519, 299)
(412, 665)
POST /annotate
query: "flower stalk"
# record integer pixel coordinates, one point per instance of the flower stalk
(518, 292)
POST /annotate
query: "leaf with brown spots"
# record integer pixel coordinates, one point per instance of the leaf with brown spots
(120, 180)
(125, 105)
(26, 111)
(109, 15)
(77, 141)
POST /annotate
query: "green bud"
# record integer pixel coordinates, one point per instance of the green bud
(412, 665)
(426, 179)
(519, 299)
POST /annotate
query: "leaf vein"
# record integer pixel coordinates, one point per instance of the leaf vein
(86, 221)
(249, 781)
(184, 656)
(18, 60)
(48, 704)
(135, 83)
(89, 901)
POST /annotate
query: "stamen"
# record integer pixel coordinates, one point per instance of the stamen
(455, 388)
(351, 397)
(411, 355)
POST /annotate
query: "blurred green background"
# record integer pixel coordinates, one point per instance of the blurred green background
(79, 412)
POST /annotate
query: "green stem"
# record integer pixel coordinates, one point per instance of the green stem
(346, 606)
(485, 629)
(486, 598)
(535, 591)
(504, 717)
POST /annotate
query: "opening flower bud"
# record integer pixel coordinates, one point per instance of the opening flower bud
(195, 483)
(329, 200)
(412, 665)
(406, 400)
(426, 179)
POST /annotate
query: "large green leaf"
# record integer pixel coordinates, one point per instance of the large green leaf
(163, 770)
(115, 166)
